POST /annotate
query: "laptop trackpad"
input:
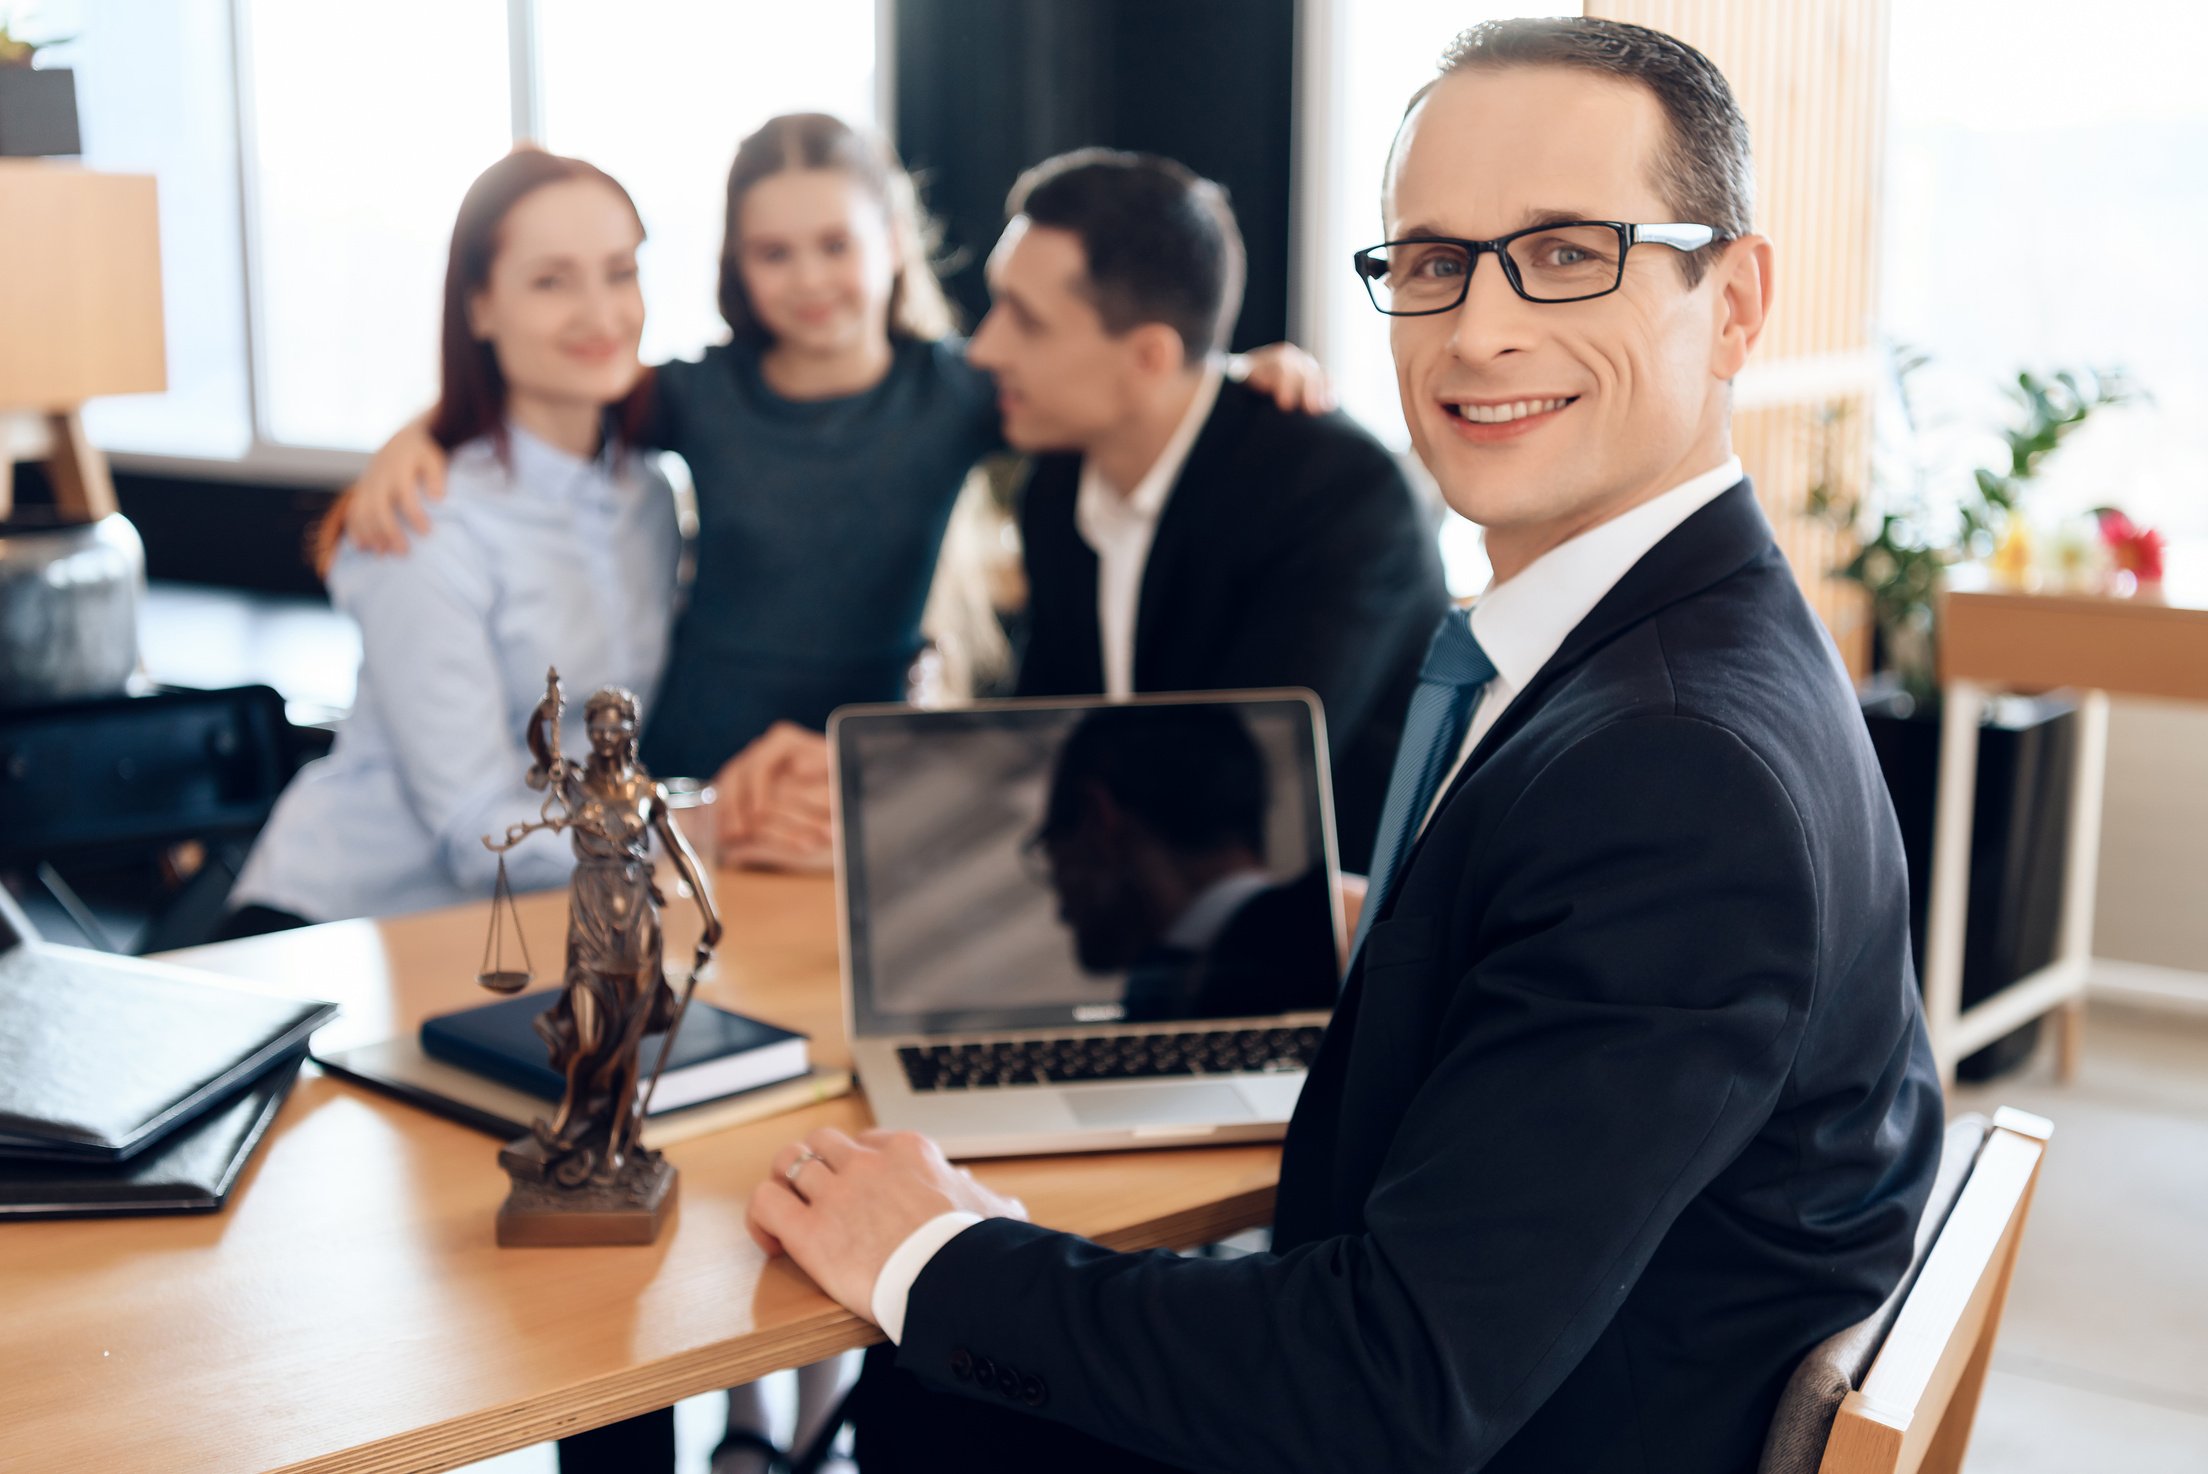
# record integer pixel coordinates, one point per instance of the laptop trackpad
(1159, 1105)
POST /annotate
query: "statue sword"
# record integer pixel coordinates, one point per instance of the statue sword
(667, 1045)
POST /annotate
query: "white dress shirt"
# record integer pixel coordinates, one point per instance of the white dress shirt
(541, 559)
(893, 1286)
(1119, 527)
(1521, 623)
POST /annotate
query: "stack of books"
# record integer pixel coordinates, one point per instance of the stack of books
(487, 1067)
(129, 1086)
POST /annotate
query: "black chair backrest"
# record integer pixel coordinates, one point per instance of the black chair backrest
(121, 774)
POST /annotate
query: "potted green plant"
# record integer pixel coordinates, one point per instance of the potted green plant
(1905, 544)
(1908, 541)
(38, 105)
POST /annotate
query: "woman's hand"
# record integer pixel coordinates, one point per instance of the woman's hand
(807, 850)
(773, 807)
(390, 491)
(1294, 379)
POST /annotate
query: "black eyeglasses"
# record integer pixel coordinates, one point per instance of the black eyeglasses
(1567, 262)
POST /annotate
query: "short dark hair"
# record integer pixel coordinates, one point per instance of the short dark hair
(1705, 175)
(1192, 774)
(1161, 240)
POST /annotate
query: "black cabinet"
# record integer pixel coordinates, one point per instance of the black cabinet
(2020, 833)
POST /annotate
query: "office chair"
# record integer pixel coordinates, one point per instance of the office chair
(129, 778)
(1912, 1412)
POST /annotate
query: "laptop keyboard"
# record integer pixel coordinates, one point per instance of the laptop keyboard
(1108, 1057)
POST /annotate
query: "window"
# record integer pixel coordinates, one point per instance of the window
(311, 158)
(2044, 199)
(365, 128)
(155, 96)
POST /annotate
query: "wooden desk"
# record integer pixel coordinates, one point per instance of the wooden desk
(349, 1311)
(1995, 639)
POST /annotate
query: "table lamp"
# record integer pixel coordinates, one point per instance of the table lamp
(80, 295)
(80, 315)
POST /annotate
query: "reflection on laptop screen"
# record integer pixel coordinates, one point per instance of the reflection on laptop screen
(1017, 865)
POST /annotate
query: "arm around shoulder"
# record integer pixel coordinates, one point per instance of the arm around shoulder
(390, 495)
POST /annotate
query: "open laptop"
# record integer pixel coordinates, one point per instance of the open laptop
(1086, 925)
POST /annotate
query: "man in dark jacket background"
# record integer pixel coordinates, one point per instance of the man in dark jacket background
(1184, 532)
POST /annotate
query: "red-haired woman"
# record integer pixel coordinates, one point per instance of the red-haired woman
(554, 544)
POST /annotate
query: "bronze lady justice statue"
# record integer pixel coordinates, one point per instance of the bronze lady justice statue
(584, 1176)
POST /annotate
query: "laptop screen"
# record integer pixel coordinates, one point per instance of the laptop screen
(1028, 864)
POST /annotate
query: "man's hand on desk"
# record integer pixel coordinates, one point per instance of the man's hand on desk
(773, 810)
(853, 1201)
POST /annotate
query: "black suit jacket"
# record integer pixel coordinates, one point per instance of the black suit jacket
(1627, 1103)
(1291, 552)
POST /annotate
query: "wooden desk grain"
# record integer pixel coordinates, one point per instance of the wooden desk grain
(349, 1310)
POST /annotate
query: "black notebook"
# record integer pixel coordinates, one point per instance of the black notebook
(397, 1067)
(102, 1056)
(191, 1170)
(717, 1053)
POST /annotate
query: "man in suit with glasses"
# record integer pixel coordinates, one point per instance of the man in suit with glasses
(1627, 1102)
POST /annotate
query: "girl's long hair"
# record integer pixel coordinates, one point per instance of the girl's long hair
(917, 306)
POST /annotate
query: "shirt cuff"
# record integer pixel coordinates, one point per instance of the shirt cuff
(893, 1286)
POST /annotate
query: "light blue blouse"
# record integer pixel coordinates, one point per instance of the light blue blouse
(546, 560)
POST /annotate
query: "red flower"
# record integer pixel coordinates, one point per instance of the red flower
(2137, 550)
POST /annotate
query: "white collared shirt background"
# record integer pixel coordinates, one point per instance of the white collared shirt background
(1119, 528)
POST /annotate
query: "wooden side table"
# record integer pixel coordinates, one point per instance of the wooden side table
(1994, 639)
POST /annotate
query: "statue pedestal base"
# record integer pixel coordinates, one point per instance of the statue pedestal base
(540, 1213)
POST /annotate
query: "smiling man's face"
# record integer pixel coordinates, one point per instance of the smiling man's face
(1540, 420)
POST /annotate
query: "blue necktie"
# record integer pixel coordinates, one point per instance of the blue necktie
(1449, 685)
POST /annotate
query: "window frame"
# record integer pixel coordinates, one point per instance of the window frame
(269, 460)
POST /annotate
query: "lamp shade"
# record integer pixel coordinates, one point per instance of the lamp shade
(80, 286)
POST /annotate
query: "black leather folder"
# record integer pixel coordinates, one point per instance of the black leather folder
(101, 1056)
(190, 1171)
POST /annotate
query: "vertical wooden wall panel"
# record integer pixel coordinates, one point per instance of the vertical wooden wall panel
(1811, 77)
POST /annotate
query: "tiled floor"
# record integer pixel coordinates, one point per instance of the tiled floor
(2102, 1362)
